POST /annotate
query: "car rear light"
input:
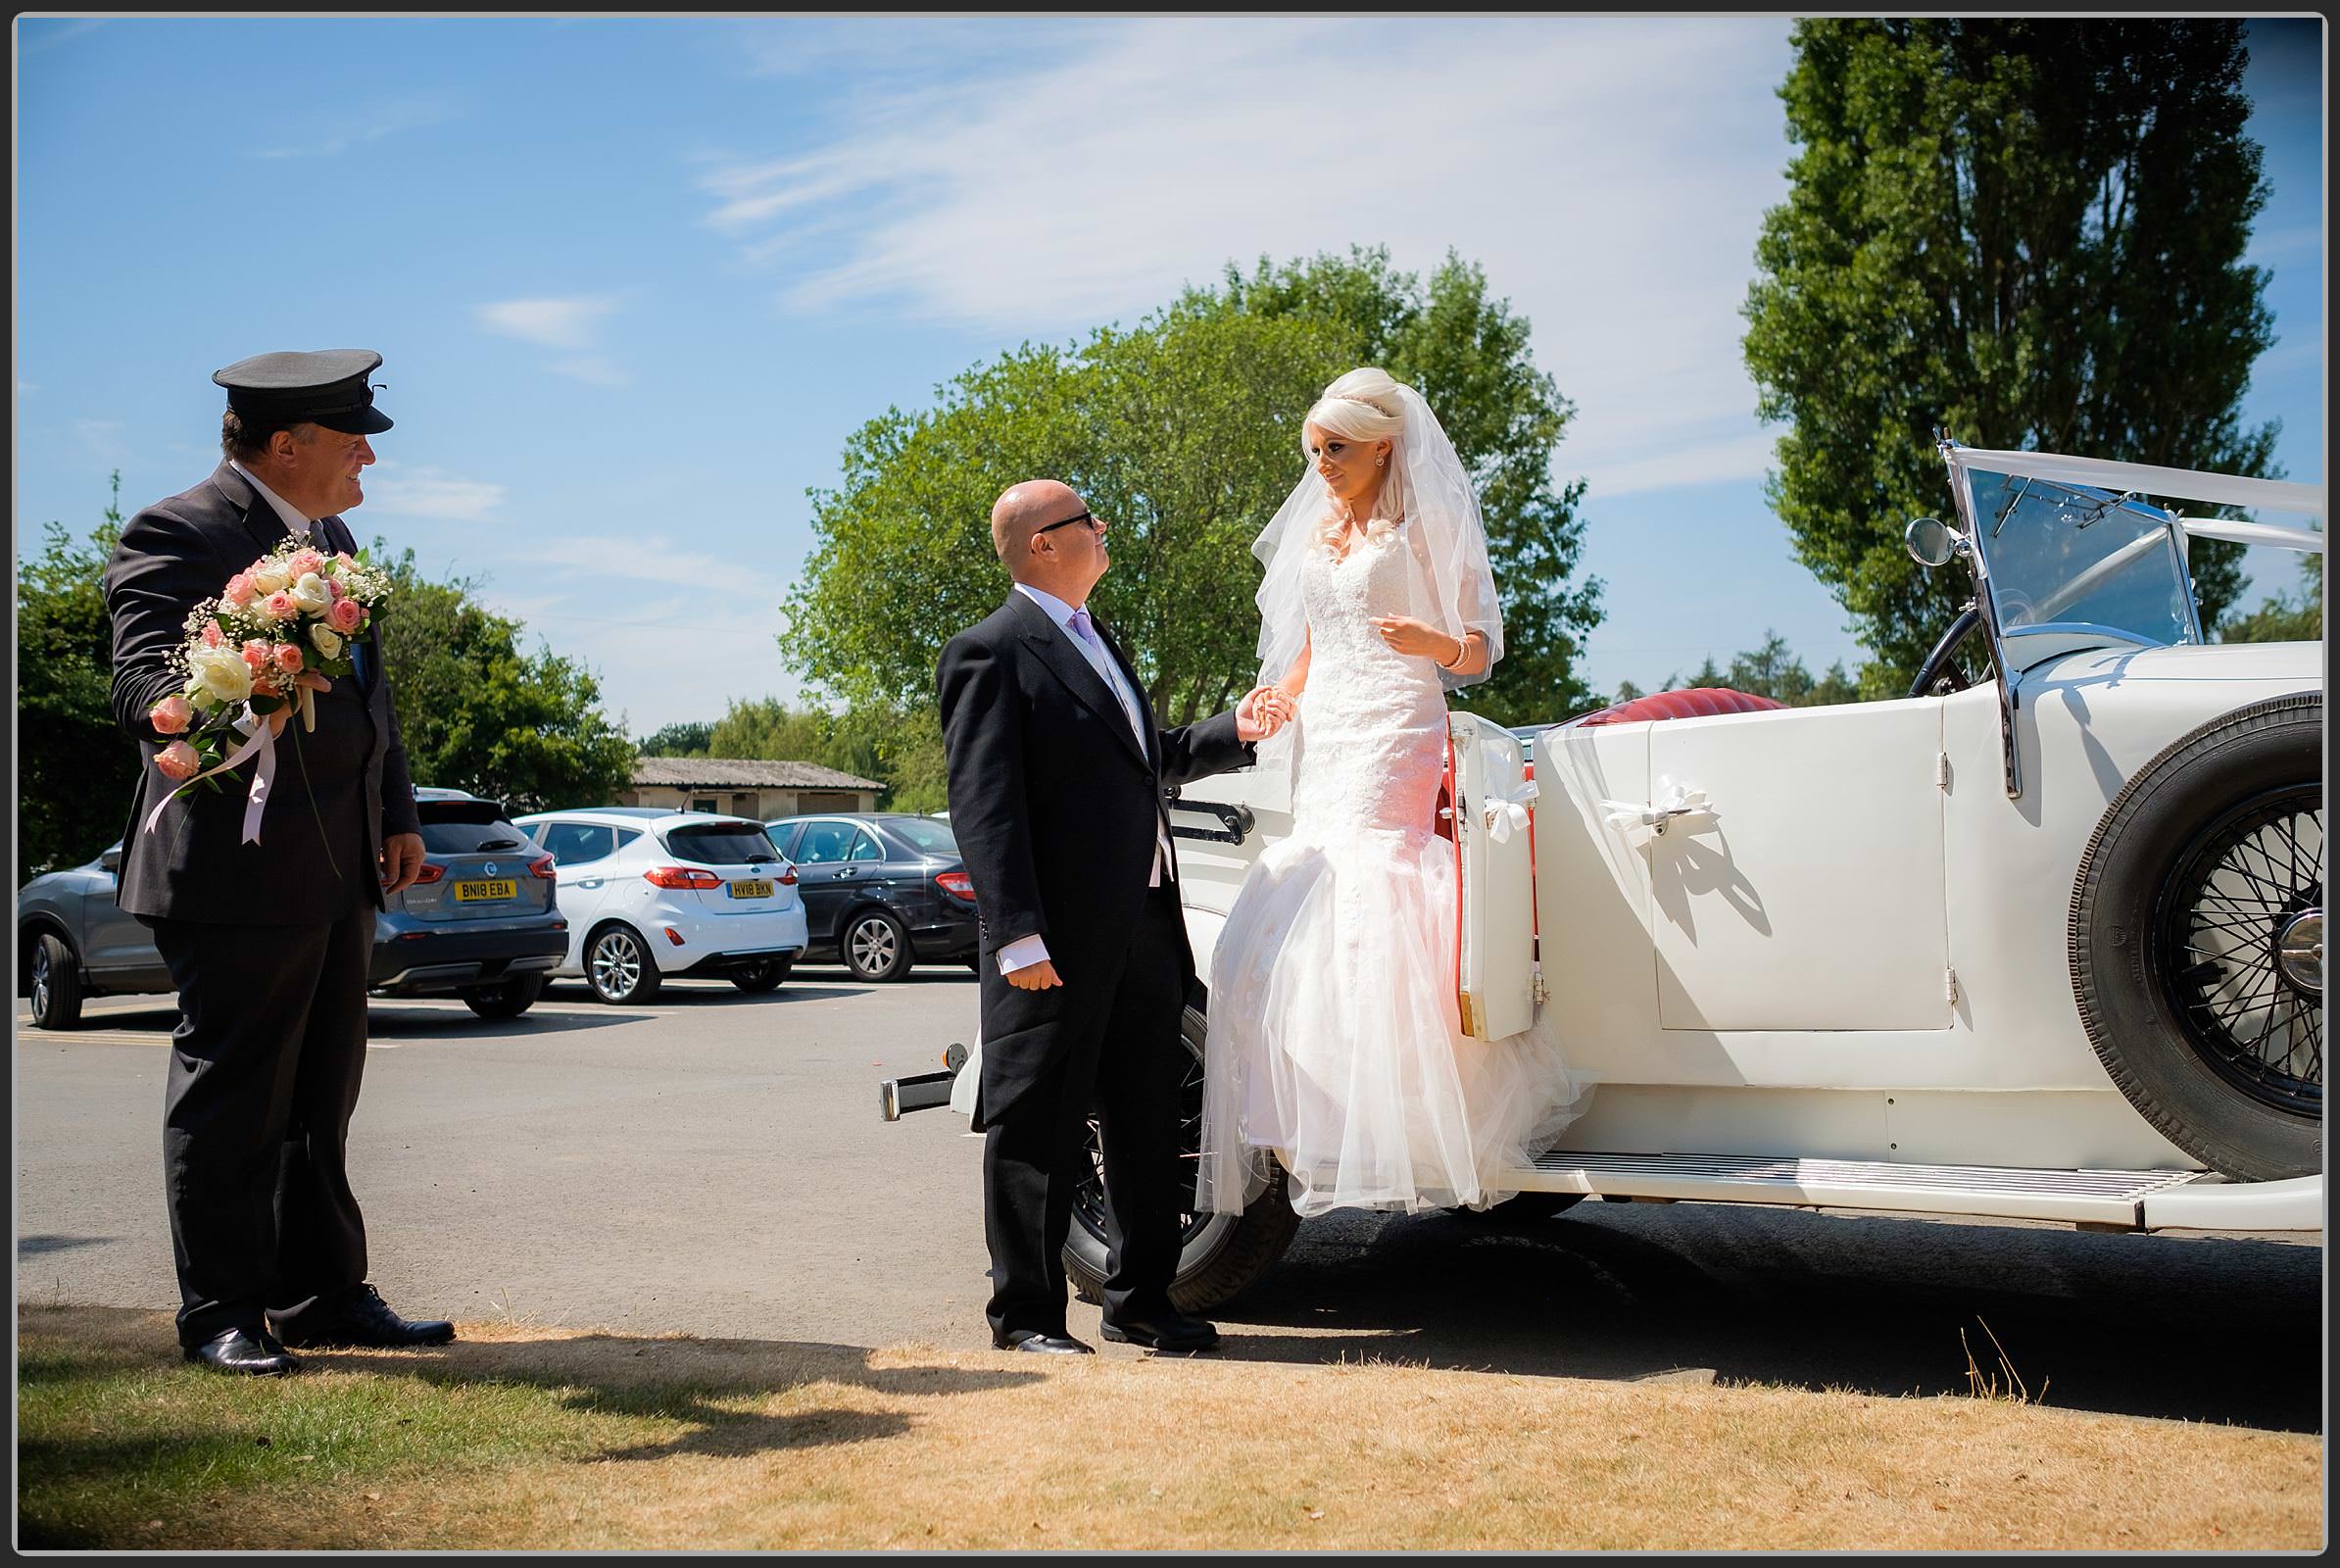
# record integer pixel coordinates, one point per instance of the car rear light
(431, 872)
(788, 878)
(674, 936)
(681, 876)
(542, 866)
(957, 884)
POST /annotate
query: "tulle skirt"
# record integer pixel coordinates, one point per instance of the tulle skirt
(1335, 1042)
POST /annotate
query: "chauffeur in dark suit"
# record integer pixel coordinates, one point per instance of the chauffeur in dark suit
(267, 942)
(1056, 772)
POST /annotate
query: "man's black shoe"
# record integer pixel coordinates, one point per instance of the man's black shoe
(360, 1320)
(1044, 1343)
(251, 1352)
(1172, 1331)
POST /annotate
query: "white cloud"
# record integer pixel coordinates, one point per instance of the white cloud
(394, 487)
(366, 126)
(1610, 175)
(649, 558)
(553, 323)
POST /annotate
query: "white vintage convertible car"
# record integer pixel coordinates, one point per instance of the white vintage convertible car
(2043, 939)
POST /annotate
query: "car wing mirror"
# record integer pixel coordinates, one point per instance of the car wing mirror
(1930, 541)
(110, 861)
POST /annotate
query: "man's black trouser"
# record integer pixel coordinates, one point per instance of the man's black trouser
(264, 1066)
(1127, 1066)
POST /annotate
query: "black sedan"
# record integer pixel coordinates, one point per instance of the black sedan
(882, 890)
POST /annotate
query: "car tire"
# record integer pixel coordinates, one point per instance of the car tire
(55, 984)
(1220, 1255)
(619, 969)
(2207, 858)
(760, 978)
(875, 946)
(505, 999)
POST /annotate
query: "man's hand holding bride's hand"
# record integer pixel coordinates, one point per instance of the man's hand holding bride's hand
(1420, 639)
(1263, 710)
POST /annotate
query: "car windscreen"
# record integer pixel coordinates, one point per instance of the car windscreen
(457, 836)
(721, 842)
(925, 834)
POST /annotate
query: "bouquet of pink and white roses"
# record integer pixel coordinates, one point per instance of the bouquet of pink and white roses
(294, 610)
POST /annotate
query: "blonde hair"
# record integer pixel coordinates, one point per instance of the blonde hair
(1361, 406)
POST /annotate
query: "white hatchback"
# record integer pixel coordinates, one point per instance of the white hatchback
(651, 894)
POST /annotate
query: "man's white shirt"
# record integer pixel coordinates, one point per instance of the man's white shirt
(1024, 952)
(293, 520)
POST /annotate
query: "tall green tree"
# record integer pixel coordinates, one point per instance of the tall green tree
(677, 740)
(477, 713)
(2027, 232)
(76, 767)
(900, 748)
(1183, 432)
(2283, 619)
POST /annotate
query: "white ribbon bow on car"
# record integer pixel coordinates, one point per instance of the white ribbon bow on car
(1673, 801)
(1507, 814)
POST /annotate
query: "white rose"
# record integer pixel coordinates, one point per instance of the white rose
(271, 578)
(310, 595)
(221, 674)
(326, 640)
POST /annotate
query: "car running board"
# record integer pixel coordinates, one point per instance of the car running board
(2112, 1199)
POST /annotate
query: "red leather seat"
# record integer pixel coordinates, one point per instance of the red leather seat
(1694, 702)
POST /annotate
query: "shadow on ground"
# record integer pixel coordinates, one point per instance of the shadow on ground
(2190, 1328)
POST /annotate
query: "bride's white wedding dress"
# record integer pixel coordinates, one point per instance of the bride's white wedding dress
(1335, 1038)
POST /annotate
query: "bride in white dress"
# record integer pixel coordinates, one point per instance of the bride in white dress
(1335, 1038)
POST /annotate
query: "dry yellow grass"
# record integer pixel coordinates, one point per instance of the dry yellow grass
(682, 1442)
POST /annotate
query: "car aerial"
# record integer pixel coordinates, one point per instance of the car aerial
(653, 894)
(2042, 939)
(882, 890)
(479, 923)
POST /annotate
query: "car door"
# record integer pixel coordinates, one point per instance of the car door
(116, 948)
(580, 853)
(826, 874)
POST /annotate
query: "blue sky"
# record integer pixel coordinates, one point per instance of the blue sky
(637, 280)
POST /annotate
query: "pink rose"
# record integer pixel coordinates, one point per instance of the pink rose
(346, 616)
(288, 658)
(239, 590)
(178, 761)
(262, 686)
(280, 607)
(171, 716)
(334, 590)
(256, 654)
(303, 563)
(213, 634)
(345, 558)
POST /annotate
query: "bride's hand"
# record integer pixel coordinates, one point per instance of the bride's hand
(1263, 710)
(1419, 639)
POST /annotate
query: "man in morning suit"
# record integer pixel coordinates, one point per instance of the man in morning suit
(269, 943)
(1056, 773)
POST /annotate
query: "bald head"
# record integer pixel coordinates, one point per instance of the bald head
(1063, 562)
(1022, 510)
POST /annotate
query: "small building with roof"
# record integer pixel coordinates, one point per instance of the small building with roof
(741, 786)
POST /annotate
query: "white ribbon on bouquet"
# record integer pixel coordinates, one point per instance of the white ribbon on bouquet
(1673, 801)
(259, 741)
(1507, 814)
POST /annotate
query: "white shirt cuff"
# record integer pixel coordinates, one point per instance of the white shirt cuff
(1022, 953)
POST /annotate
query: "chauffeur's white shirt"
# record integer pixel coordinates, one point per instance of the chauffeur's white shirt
(1025, 951)
(293, 520)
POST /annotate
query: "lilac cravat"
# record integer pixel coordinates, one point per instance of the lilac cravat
(1082, 626)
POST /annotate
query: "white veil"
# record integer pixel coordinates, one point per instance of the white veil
(1453, 586)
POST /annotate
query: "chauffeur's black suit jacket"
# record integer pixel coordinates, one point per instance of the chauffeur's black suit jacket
(313, 863)
(1055, 809)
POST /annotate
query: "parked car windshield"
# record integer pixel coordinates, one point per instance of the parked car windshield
(721, 842)
(925, 835)
(470, 838)
(2075, 557)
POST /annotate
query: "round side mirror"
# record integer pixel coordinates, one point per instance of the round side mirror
(1929, 540)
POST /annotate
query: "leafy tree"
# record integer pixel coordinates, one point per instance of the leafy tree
(2283, 619)
(1182, 434)
(901, 749)
(478, 714)
(2027, 232)
(1770, 670)
(677, 740)
(76, 767)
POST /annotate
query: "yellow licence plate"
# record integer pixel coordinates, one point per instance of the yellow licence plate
(477, 892)
(750, 890)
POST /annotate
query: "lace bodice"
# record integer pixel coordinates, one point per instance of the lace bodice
(1373, 720)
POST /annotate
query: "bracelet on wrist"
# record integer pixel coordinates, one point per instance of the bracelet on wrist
(1462, 646)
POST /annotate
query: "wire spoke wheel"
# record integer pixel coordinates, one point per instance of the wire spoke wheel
(2239, 934)
(1089, 1198)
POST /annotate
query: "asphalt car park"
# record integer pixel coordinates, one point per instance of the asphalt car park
(714, 1165)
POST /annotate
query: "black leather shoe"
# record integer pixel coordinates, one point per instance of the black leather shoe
(1172, 1331)
(1044, 1343)
(361, 1319)
(249, 1351)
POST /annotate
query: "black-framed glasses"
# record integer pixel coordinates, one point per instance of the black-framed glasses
(1094, 526)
